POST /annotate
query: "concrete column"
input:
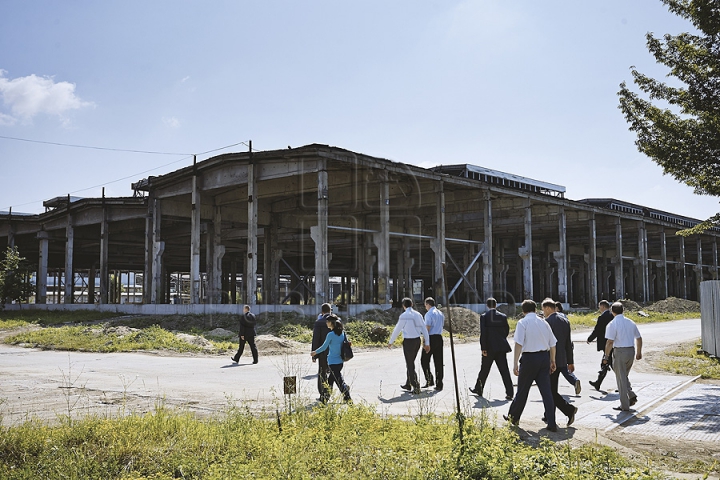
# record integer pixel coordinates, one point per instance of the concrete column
(158, 248)
(11, 235)
(250, 278)
(699, 268)
(619, 275)
(366, 273)
(195, 219)
(91, 285)
(104, 258)
(319, 234)
(714, 269)
(592, 264)
(148, 263)
(233, 281)
(643, 262)
(663, 265)
(408, 265)
(218, 252)
(438, 244)
(683, 270)
(487, 258)
(525, 253)
(273, 255)
(561, 258)
(382, 242)
(42, 271)
(69, 253)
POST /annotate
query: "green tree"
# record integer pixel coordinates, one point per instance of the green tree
(13, 274)
(682, 133)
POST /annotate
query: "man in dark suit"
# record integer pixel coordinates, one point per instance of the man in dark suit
(494, 330)
(563, 356)
(598, 333)
(247, 335)
(320, 331)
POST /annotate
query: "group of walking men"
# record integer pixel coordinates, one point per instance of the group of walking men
(543, 350)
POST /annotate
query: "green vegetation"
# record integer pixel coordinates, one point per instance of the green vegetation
(102, 339)
(588, 320)
(685, 360)
(325, 442)
(13, 319)
(14, 278)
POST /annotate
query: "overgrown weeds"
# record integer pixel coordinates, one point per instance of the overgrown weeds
(685, 360)
(334, 441)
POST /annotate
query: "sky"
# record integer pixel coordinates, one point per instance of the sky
(524, 87)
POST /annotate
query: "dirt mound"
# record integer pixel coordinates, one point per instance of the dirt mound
(120, 331)
(674, 305)
(629, 305)
(465, 322)
(195, 340)
(220, 333)
(386, 317)
(272, 345)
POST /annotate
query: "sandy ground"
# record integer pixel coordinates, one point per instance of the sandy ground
(48, 384)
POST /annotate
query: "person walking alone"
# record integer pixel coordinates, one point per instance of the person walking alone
(494, 330)
(598, 333)
(412, 326)
(623, 337)
(434, 322)
(569, 375)
(247, 335)
(320, 331)
(333, 344)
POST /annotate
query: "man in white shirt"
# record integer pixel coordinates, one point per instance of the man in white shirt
(434, 322)
(534, 339)
(622, 337)
(412, 326)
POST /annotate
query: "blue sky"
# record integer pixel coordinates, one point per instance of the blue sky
(525, 87)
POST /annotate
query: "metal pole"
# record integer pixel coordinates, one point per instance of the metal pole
(460, 418)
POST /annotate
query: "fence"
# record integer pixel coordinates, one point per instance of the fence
(710, 316)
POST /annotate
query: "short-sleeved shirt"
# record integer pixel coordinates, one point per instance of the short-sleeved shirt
(534, 334)
(435, 320)
(622, 331)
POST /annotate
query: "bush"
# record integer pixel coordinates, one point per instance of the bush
(367, 333)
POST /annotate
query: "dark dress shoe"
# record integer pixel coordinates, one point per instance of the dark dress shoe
(475, 392)
(508, 419)
(255, 361)
(233, 359)
(552, 429)
(571, 418)
(416, 391)
(595, 385)
(429, 384)
(406, 387)
(508, 397)
(633, 401)
(621, 409)
(439, 387)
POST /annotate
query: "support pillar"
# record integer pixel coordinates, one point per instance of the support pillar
(619, 274)
(319, 234)
(104, 258)
(42, 272)
(561, 258)
(157, 293)
(195, 219)
(592, 264)
(525, 253)
(218, 252)
(91, 285)
(250, 278)
(233, 281)
(69, 249)
(698, 269)
(382, 242)
(683, 270)
(643, 262)
(487, 258)
(271, 272)
(663, 265)
(438, 244)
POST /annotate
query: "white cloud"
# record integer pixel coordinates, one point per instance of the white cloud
(6, 120)
(171, 122)
(29, 96)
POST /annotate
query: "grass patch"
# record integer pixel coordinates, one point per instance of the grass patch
(685, 360)
(588, 320)
(101, 339)
(343, 442)
(14, 319)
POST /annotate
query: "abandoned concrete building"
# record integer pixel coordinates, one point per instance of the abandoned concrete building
(314, 224)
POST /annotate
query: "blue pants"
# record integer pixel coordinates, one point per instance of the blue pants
(534, 366)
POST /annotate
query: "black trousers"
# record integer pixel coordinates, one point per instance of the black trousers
(337, 378)
(604, 368)
(534, 366)
(322, 382)
(411, 346)
(560, 402)
(250, 340)
(436, 352)
(500, 359)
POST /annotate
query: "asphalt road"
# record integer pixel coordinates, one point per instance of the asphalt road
(47, 384)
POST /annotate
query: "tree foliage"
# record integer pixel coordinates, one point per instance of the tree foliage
(13, 272)
(682, 134)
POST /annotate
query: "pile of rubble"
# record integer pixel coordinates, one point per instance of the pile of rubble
(674, 305)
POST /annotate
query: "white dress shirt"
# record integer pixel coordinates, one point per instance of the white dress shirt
(534, 334)
(412, 325)
(622, 331)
